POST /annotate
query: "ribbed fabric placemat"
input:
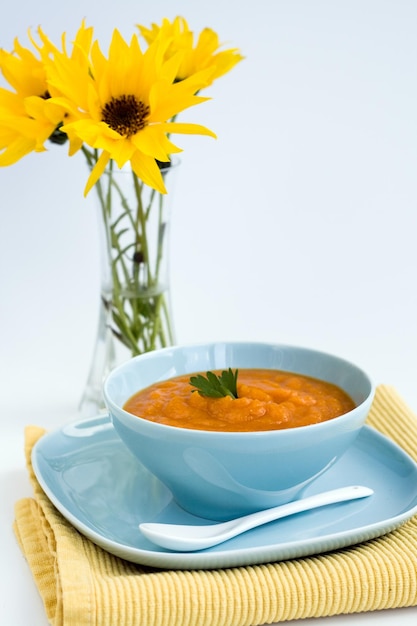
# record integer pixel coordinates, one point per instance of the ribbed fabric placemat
(82, 585)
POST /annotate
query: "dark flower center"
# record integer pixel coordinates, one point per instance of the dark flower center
(126, 115)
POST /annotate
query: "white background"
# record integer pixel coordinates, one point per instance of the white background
(297, 225)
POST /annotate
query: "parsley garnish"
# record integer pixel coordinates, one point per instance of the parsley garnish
(215, 386)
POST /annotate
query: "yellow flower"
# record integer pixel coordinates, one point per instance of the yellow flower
(28, 115)
(205, 54)
(25, 121)
(124, 105)
(72, 73)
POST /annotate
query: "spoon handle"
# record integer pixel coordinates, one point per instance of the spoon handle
(342, 494)
(187, 538)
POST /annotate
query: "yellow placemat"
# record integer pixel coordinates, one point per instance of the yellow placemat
(82, 585)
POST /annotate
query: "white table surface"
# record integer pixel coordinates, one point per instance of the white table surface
(298, 225)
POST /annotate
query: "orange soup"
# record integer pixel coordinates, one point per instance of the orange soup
(267, 400)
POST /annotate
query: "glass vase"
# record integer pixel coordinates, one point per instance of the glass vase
(135, 309)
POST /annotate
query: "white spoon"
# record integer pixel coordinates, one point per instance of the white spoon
(186, 538)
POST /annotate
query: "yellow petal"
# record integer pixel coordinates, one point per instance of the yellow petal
(148, 171)
(166, 101)
(186, 129)
(154, 143)
(121, 151)
(97, 171)
(75, 144)
(16, 150)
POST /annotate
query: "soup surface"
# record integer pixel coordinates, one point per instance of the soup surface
(267, 400)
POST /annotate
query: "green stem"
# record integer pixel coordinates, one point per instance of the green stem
(140, 315)
(143, 224)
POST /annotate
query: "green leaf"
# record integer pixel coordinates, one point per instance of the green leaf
(214, 386)
(229, 381)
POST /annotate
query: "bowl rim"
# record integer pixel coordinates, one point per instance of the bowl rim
(228, 434)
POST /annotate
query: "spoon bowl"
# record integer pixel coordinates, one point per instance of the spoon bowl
(188, 538)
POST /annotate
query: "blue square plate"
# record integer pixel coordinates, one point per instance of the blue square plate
(100, 488)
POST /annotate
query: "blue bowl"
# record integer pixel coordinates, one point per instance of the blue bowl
(221, 475)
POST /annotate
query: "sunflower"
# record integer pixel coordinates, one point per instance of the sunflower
(26, 118)
(205, 54)
(124, 106)
(28, 114)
